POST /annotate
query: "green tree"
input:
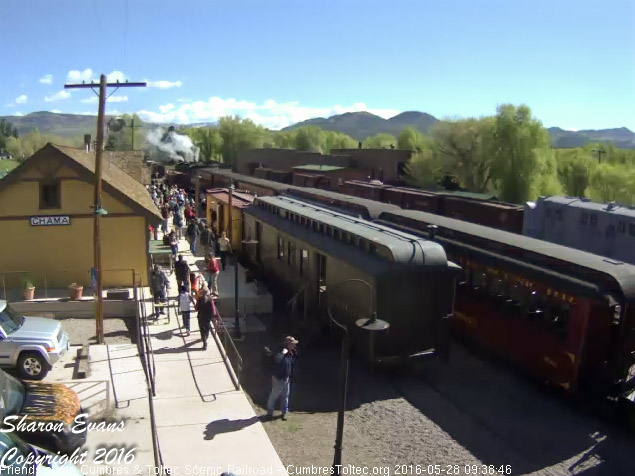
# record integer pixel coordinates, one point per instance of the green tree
(284, 139)
(424, 169)
(337, 140)
(309, 138)
(26, 145)
(612, 182)
(467, 151)
(208, 140)
(411, 139)
(239, 134)
(574, 170)
(522, 153)
(380, 141)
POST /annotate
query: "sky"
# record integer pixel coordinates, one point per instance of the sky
(280, 62)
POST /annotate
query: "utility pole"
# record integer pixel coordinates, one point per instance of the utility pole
(132, 128)
(98, 210)
(600, 152)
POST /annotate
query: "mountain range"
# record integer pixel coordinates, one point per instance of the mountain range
(358, 125)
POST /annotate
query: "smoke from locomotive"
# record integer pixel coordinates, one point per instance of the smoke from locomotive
(170, 146)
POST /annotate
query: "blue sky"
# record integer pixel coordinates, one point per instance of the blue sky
(280, 62)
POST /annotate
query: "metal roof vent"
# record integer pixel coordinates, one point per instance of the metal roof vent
(611, 206)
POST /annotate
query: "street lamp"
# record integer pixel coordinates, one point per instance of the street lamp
(372, 325)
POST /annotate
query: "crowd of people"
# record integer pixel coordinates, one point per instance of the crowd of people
(197, 293)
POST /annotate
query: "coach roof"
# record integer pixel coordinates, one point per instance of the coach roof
(406, 249)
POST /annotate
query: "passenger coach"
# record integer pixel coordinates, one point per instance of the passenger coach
(310, 250)
(566, 316)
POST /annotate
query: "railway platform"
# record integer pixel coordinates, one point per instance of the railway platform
(205, 425)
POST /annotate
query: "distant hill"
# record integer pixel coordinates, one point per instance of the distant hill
(622, 137)
(361, 125)
(63, 125)
(358, 125)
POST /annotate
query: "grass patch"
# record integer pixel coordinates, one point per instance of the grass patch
(8, 165)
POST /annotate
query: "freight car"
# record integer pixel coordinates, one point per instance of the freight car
(473, 207)
(310, 250)
(564, 315)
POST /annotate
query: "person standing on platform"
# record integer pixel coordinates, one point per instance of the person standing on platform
(224, 247)
(281, 378)
(174, 244)
(205, 239)
(182, 271)
(160, 286)
(192, 235)
(185, 307)
(213, 271)
(206, 312)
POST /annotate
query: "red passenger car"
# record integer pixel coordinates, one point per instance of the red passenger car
(564, 315)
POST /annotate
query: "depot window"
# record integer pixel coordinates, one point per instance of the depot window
(280, 248)
(50, 194)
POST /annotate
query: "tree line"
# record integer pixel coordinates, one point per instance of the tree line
(507, 154)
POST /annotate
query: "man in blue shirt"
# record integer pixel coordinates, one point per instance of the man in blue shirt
(281, 378)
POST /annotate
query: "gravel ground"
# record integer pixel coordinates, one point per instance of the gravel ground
(116, 331)
(468, 412)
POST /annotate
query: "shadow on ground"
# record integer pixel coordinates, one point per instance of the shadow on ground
(498, 415)
(227, 426)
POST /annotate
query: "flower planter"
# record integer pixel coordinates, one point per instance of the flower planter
(76, 292)
(29, 293)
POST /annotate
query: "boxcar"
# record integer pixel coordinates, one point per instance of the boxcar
(566, 316)
(501, 215)
(363, 189)
(312, 250)
(412, 199)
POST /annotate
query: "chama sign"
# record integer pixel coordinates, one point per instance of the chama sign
(52, 220)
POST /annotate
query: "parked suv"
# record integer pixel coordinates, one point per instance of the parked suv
(32, 344)
(54, 405)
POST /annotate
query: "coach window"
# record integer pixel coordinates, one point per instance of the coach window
(584, 218)
(559, 215)
(280, 248)
(496, 287)
(516, 297)
(290, 253)
(610, 231)
(372, 248)
(593, 221)
(621, 226)
(479, 280)
(463, 283)
(304, 261)
(631, 229)
(558, 319)
(536, 305)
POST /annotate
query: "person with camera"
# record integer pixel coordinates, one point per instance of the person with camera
(281, 378)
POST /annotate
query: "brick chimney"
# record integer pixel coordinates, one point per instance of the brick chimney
(87, 142)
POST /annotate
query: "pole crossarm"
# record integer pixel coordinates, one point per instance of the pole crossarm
(101, 114)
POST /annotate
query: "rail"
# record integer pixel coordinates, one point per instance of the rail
(231, 357)
(144, 344)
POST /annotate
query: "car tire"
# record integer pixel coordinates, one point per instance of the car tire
(32, 366)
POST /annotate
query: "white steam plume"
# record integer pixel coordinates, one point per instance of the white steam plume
(171, 146)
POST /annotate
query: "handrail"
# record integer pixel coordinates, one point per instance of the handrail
(149, 373)
(234, 374)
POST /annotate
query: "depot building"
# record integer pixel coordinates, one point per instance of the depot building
(47, 221)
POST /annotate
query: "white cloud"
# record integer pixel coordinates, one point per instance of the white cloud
(270, 114)
(164, 84)
(58, 96)
(18, 113)
(56, 111)
(21, 99)
(94, 99)
(46, 79)
(78, 76)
